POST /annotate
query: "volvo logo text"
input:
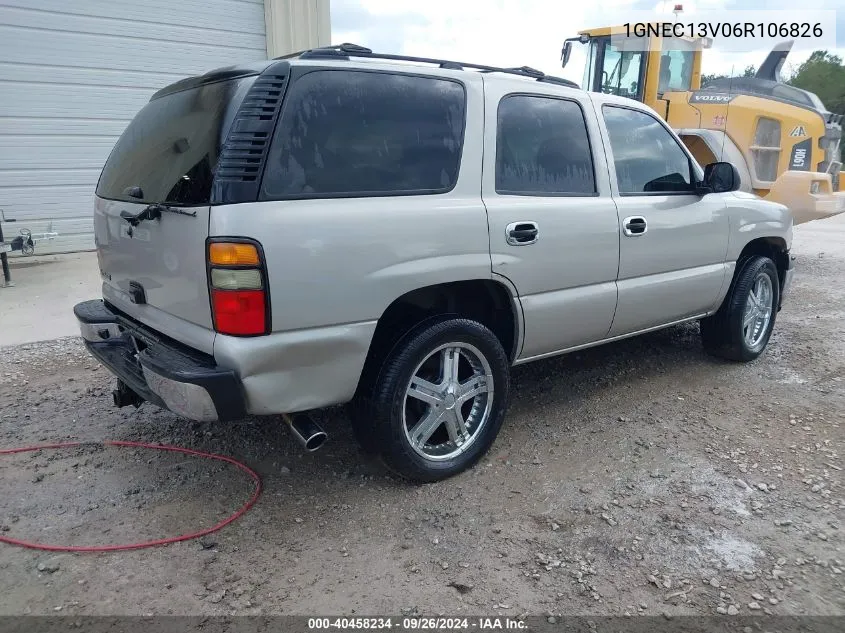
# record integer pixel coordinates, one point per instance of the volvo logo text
(699, 98)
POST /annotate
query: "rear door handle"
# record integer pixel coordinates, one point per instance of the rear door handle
(522, 233)
(634, 225)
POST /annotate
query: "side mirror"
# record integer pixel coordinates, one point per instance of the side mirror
(567, 47)
(565, 53)
(719, 178)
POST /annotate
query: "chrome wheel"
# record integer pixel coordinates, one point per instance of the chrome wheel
(447, 401)
(758, 311)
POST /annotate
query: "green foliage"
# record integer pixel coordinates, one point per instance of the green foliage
(823, 74)
(749, 71)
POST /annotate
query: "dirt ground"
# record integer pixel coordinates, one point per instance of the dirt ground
(641, 477)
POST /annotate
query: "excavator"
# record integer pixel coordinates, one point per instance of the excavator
(782, 139)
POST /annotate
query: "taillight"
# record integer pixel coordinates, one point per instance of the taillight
(239, 302)
(238, 311)
(233, 254)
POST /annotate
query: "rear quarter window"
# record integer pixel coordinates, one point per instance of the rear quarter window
(359, 133)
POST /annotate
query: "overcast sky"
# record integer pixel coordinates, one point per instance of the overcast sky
(531, 32)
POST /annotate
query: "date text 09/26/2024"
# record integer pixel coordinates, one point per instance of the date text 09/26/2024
(417, 623)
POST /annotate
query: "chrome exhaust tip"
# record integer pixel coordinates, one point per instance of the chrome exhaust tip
(306, 431)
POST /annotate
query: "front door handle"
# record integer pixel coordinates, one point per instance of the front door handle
(634, 225)
(522, 233)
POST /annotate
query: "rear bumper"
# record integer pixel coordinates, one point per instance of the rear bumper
(158, 369)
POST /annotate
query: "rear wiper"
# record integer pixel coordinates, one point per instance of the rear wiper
(153, 212)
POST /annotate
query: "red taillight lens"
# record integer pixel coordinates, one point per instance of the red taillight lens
(239, 311)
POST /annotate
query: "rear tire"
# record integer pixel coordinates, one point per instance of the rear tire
(438, 401)
(740, 330)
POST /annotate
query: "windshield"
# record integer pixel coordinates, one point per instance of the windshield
(169, 151)
(676, 66)
(589, 55)
(613, 66)
(621, 71)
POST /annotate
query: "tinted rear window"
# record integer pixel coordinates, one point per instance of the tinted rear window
(350, 133)
(542, 148)
(170, 149)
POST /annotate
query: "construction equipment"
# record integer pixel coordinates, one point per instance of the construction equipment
(782, 139)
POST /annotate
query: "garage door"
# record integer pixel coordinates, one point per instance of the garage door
(72, 75)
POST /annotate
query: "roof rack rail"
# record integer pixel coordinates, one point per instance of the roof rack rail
(345, 51)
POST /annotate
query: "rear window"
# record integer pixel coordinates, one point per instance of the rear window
(169, 151)
(358, 133)
(542, 148)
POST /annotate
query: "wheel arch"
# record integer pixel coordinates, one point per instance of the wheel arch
(773, 247)
(492, 302)
(716, 145)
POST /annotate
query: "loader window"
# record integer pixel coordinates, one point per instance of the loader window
(647, 157)
(676, 67)
(766, 149)
(590, 66)
(621, 70)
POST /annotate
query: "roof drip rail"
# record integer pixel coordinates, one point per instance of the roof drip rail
(345, 51)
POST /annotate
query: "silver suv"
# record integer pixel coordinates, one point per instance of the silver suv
(395, 233)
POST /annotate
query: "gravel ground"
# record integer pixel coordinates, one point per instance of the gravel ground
(637, 478)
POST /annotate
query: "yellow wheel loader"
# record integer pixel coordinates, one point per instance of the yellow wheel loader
(782, 139)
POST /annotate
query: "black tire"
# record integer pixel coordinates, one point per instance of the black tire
(723, 334)
(378, 412)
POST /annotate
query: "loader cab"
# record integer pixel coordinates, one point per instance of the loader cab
(641, 68)
(615, 69)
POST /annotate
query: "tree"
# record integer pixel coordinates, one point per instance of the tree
(749, 71)
(824, 75)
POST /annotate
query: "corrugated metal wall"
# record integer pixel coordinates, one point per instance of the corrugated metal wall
(73, 73)
(296, 25)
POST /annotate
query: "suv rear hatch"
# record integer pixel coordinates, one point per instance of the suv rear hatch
(151, 214)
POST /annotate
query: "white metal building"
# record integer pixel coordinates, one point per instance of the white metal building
(73, 73)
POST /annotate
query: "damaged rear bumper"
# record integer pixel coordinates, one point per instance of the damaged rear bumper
(157, 369)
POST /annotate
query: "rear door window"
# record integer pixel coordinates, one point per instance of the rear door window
(358, 133)
(542, 148)
(169, 151)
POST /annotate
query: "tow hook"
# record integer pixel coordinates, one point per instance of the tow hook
(124, 396)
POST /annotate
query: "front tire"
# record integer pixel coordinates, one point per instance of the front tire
(740, 330)
(439, 400)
